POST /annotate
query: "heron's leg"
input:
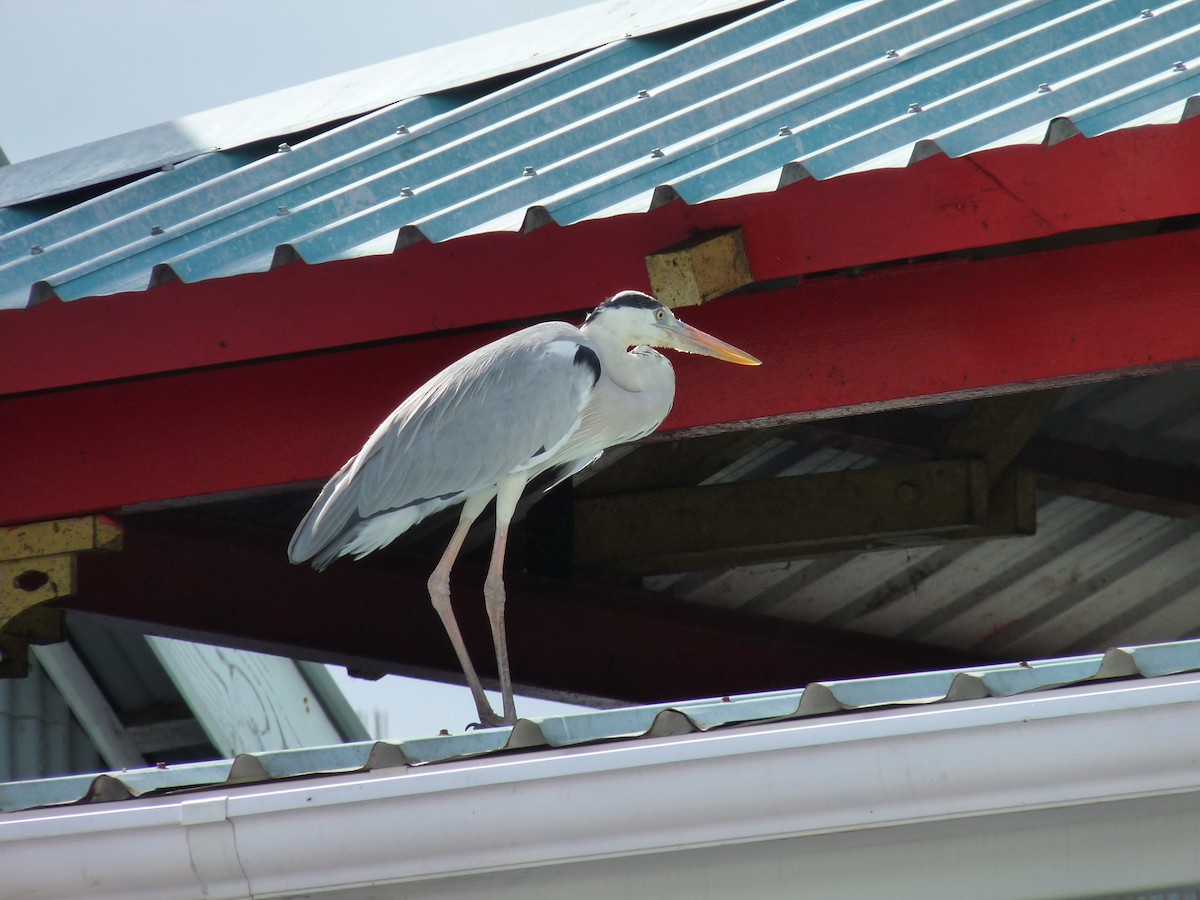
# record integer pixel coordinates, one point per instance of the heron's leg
(439, 593)
(493, 587)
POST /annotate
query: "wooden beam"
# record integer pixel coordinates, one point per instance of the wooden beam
(216, 581)
(1118, 480)
(895, 338)
(1060, 467)
(89, 706)
(745, 522)
(936, 206)
(680, 462)
(996, 429)
(245, 702)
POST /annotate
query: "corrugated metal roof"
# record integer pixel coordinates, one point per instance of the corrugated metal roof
(816, 699)
(315, 104)
(798, 88)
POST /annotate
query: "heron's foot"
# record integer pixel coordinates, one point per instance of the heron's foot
(491, 720)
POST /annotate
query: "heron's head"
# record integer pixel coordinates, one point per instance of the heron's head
(635, 319)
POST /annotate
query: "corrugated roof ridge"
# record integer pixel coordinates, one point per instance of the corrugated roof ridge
(638, 722)
(749, 105)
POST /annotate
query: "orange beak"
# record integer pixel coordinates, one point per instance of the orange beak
(693, 340)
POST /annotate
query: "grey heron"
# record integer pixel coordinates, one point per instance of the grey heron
(548, 399)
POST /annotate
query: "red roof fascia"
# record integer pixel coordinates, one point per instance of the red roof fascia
(936, 205)
(889, 338)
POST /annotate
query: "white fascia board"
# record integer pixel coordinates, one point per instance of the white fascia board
(1075, 752)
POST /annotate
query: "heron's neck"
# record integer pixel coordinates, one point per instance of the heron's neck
(631, 371)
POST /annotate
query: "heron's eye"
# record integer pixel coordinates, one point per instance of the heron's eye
(660, 314)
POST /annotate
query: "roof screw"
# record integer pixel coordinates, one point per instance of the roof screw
(1044, 88)
(528, 171)
(35, 249)
(915, 108)
(156, 229)
(167, 167)
(1180, 66)
(1147, 14)
(643, 95)
(282, 210)
(406, 192)
(285, 147)
(893, 54)
(785, 131)
(401, 129)
(657, 153)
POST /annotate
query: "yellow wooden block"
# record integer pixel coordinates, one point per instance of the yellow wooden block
(25, 583)
(699, 269)
(59, 536)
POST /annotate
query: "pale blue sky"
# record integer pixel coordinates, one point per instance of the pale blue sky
(75, 71)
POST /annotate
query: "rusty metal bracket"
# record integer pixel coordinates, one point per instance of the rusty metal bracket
(37, 565)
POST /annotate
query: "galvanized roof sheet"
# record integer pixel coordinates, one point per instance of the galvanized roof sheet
(795, 89)
(317, 103)
(630, 723)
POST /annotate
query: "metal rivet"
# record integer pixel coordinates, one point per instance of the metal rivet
(282, 210)
(529, 170)
(893, 54)
(401, 129)
(156, 229)
(406, 192)
(167, 167)
(1147, 14)
(784, 131)
(915, 108)
(1180, 66)
(35, 249)
(657, 152)
(285, 147)
(643, 95)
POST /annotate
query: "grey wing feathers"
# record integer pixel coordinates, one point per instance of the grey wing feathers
(489, 414)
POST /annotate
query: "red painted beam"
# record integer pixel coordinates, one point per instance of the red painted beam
(940, 204)
(228, 584)
(831, 345)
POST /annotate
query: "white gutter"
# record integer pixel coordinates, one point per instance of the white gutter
(1063, 761)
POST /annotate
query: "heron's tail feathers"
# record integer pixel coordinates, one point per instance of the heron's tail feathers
(318, 535)
(335, 526)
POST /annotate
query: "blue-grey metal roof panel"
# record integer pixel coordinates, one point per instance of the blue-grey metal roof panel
(826, 698)
(331, 99)
(798, 87)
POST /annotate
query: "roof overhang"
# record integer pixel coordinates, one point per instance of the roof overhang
(940, 329)
(1078, 791)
